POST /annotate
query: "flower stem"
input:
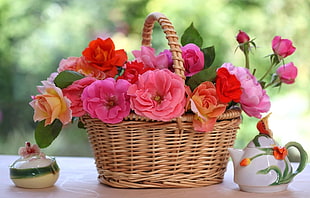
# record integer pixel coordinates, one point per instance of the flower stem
(267, 72)
(274, 61)
(247, 60)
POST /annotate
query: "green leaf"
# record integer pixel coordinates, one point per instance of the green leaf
(276, 169)
(191, 35)
(207, 74)
(66, 78)
(45, 135)
(209, 56)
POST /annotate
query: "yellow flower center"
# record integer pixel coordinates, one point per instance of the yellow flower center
(111, 102)
(158, 98)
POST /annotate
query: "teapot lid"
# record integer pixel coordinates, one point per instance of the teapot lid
(264, 138)
(31, 157)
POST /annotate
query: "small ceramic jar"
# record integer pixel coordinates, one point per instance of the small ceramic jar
(33, 169)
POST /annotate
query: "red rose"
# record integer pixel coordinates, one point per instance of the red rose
(132, 71)
(228, 87)
(102, 55)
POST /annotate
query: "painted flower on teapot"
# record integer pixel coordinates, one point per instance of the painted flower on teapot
(263, 165)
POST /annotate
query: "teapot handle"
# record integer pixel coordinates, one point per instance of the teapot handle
(303, 156)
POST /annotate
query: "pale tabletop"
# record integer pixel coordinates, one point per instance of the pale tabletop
(78, 178)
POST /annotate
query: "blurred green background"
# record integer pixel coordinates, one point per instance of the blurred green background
(35, 35)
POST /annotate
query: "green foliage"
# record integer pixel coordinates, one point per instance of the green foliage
(207, 74)
(191, 35)
(209, 56)
(66, 78)
(45, 135)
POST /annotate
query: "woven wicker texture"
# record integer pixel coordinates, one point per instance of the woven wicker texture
(143, 153)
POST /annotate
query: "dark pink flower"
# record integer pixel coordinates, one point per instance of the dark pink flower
(282, 47)
(168, 53)
(74, 91)
(242, 37)
(107, 100)
(158, 95)
(193, 59)
(287, 73)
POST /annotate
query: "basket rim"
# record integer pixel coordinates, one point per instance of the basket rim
(229, 114)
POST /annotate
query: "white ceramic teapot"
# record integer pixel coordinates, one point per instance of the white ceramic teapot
(263, 166)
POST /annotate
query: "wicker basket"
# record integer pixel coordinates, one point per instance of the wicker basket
(143, 153)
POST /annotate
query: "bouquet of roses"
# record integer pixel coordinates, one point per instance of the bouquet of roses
(104, 84)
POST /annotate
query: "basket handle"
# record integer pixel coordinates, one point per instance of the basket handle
(171, 36)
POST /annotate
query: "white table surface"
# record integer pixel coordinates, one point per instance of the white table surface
(78, 178)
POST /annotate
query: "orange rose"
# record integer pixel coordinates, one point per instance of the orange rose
(206, 105)
(279, 153)
(87, 69)
(102, 55)
(51, 105)
(79, 64)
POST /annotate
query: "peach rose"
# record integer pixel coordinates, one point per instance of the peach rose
(206, 105)
(51, 104)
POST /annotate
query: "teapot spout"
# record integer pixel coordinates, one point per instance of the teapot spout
(236, 155)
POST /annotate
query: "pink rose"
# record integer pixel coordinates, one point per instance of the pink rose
(158, 95)
(107, 100)
(242, 37)
(150, 60)
(68, 64)
(287, 73)
(51, 104)
(168, 53)
(74, 91)
(282, 47)
(193, 59)
(254, 99)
